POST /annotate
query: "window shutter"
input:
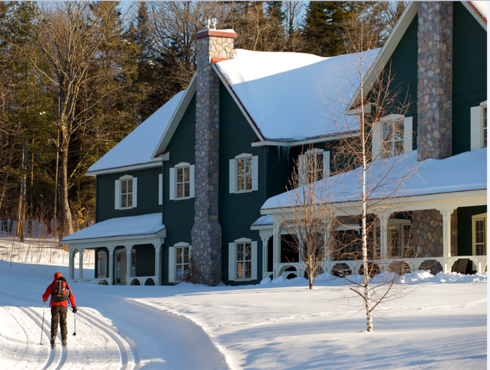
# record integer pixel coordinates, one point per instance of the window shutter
(302, 171)
(255, 172)
(376, 146)
(192, 185)
(160, 189)
(408, 134)
(232, 176)
(254, 260)
(171, 264)
(135, 192)
(171, 185)
(231, 261)
(117, 196)
(476, 128)
(326, 164)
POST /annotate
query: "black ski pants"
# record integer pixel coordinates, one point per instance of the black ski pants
(58, 315)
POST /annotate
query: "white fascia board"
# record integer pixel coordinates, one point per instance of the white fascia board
(176, 117)
(417, 202)
(238, 102)
(386, 52)
(261, 227)
(357, 111)
(475, 13)
(125, 168)
(307, 141)
(119, 240)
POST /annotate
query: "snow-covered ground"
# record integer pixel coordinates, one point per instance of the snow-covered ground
(440, 324)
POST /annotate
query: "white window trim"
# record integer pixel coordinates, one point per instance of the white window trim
(476, 122)
(160, 189)
(474, 218)
(233, 175)
(232, 259)
(173, 181)
(172, 260)
(377, 144)
(118, 192)
(102, 255)
(302, 162)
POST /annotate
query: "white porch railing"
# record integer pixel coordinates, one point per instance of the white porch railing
(141, 279)
(414, 264)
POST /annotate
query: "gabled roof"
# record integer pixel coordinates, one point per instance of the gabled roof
(293, 96)
(477, 8)
(137, 148)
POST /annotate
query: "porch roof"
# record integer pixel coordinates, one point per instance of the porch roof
(143, 225)
(397, 177)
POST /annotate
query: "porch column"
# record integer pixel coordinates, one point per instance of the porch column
(383, 235)
(111, 265)
(265, 253)
(71, 264)
(277, 248)
(129, 248)
(446, 236)
(158, 248)
(80, 264)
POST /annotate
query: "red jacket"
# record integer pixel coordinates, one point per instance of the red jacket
(49, 290)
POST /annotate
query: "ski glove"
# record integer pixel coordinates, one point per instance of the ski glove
(75, 310)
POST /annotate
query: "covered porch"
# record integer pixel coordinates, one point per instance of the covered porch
(436, 221)
(127, 250)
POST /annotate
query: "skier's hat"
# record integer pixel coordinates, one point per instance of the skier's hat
(57, 275)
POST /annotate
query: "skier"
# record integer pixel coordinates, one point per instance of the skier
(60, 292)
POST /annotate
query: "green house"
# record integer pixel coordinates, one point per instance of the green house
(187, 194)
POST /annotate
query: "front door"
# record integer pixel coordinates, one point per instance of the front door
(121, 267)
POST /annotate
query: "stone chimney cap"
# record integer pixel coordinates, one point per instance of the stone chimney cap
(215, 33)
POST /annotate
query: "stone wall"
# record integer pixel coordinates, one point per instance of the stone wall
(427, 233)
(206, 232)
(434, 75)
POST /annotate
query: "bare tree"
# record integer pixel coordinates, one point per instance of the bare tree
(73, 38)
(307, 215)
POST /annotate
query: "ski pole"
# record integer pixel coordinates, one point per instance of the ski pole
(42, 326)
(75, 319)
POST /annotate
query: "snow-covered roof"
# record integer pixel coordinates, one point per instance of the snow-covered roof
(149, 224)
(463, 172)
(137, 148)
(286, 94)
(263, 220)
(481, 7)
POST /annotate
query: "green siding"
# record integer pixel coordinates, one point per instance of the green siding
(465, 228)
(469, 74)
(147, 194)
(179, 214)
(403, 69)
(145, 260)
(238, 211)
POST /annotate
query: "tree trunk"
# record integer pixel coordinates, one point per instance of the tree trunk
(64, 204)
(21, 211)
(56, 177)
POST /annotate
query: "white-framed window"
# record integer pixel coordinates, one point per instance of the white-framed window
(314, 165)
(392, 136)
(399, 238)
(102, 267)
(244, 173)
(479, 126)
(179, 259)
(242, 260)
(126, 192)
(181, 182)
(479, 228)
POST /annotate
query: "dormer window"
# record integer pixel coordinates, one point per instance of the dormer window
(126, 192)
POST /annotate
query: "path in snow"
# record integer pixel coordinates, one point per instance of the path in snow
(111, 332)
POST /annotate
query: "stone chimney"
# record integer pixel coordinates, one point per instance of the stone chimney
(434, 75)
(206, 232)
